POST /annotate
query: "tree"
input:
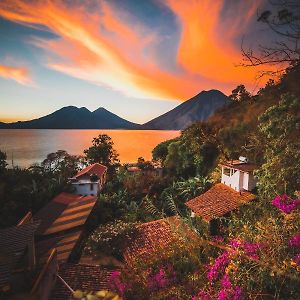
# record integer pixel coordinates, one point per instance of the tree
(102, 152)
(160, 152)
(240, 94)
(280, 128)
(3, 162)
(283, 21)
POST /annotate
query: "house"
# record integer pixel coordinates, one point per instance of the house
(90, 180)
(237, 182)
(238, 174)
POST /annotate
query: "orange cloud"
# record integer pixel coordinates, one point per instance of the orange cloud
(21, 75)
(207, 38)
(108, 47)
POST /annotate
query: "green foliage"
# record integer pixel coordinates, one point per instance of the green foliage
(160, 152)
(280, 129)
(23, 190)
(102, 152)
(3, 162)
(240, 94)
(111, 238)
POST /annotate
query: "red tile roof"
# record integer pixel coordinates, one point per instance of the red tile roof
(65, 211)
(96, 168)
(152, 236)
(238, 165)
(218, 201)
(79, 276)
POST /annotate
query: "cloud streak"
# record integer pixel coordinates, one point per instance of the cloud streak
(108, 47)
(20, 75)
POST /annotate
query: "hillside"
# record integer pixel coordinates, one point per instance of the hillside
(198, 108)
(72, 117)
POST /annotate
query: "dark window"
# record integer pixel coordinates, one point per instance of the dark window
(92, 187)
(227, 171)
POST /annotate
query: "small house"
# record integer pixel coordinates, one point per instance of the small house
(90, 180)
(237, 182)
(238, 174)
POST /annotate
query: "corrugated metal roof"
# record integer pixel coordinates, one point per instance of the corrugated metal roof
(64, 212)
(64, 245)
(13, 241)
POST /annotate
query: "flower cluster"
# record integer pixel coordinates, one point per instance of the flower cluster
(295, 240)
(285, 203)
(116, 283)
(229, 291)
(218, 267)
(250, 249)
(163, 278)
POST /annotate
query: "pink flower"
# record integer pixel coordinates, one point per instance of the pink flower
(226, 282)
(218, 267)
(295, 240)
(285, 203)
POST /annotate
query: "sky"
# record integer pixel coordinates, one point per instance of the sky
(136, 58)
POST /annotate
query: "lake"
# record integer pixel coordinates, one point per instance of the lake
(28, 146)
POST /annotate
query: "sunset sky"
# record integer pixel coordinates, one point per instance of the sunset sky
(136, 58)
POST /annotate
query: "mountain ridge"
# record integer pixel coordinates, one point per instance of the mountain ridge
(198, 108)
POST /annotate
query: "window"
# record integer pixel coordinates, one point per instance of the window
(92, 187)
(226, 171)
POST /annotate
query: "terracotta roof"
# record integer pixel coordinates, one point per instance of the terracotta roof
(238, 165)
(13, 242)
(79, 276)
(151, 236)
(64, 212)
(96, 168)
(218, 201)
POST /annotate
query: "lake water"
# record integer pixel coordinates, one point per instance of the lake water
(28, 146)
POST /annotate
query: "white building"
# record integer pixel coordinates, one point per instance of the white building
(238, 174)
(90, 180)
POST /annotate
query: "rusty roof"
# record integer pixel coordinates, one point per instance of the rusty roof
(218, 201)
(82, 277)
(238, 165)
(96, 168)
(64, 212)
(159, 234)
(13, 243)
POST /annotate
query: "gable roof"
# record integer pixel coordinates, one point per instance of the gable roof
(64, 212)
(218, 201)
(96, 168)
(238, 165)
(152, 236)
(82, 277)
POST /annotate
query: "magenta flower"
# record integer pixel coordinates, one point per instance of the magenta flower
(219, 266)
(237, 293)
(295, 240)
(285, 203)
(226, 284)
(116, 283)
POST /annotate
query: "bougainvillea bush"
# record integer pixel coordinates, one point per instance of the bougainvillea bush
(258, 259)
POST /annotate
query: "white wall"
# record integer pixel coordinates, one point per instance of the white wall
(239, 180)
(85, 189)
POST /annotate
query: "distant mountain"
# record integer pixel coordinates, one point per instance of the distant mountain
(198, 108)
(72, 117)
